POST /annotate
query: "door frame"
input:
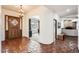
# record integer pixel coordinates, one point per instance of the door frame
(55, 28)
(6, 31)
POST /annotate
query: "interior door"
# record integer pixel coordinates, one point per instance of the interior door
(14, 27)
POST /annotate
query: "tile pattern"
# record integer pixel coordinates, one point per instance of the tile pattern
(69, 45)
(34, 47)
(24, 45)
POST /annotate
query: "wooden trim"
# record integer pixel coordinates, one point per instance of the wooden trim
(6, 31)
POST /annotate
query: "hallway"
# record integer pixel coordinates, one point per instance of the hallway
(36, 31)
(69, 45)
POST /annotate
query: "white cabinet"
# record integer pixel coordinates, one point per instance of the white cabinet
(71, 32)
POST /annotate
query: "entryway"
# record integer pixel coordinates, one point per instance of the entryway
(13, 27)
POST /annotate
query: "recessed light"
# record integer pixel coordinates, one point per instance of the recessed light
(67, 10)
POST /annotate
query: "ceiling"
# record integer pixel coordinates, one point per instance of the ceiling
(26, 8)
(62, 10)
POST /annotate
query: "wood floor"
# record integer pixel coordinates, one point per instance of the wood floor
(15, 45)
(21, 45)
(69, 45)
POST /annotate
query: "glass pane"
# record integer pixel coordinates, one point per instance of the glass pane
(14, 22)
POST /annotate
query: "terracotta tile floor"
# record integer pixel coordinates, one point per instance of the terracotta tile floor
(21, 45)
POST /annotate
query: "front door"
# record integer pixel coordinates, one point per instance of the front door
(13, 27)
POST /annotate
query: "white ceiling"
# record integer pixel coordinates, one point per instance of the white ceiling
(62, 9)
(26, 8)
(58, 9)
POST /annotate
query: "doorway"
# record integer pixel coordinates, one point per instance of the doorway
(34, 27)
(13, 27)
(55, 28)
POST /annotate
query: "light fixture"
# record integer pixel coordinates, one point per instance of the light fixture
(67, 10)
(21, 12)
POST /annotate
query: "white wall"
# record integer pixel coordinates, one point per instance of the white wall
(78, 27)
(46, 24)
(0, 29)
(10, 13)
